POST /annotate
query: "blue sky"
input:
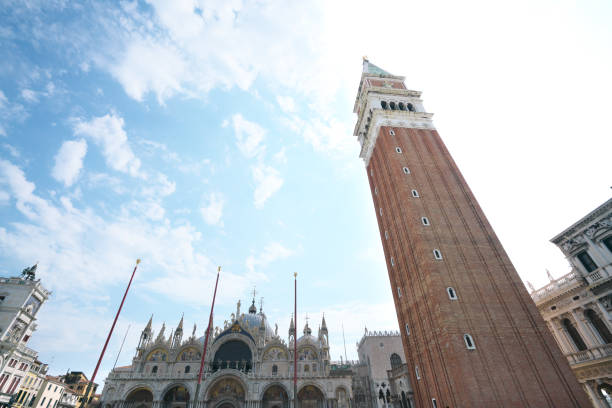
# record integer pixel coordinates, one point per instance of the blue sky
(193, 134)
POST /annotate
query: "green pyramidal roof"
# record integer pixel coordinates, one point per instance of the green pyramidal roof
(370, 68)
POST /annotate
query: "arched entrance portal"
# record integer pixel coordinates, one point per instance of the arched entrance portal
(226, 393)
(176, 397)
(275, 397)
(310, 397)
(140, 398)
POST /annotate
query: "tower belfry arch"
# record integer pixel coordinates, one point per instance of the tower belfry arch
(488, 345)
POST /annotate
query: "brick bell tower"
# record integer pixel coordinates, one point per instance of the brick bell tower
(472, 335)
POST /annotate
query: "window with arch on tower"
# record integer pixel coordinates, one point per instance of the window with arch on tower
(469, 342)
(437, 254)
(398, 149)
(452, 294)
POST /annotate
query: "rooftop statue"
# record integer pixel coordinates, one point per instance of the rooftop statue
(29, 273)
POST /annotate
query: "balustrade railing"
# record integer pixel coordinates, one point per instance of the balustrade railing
(592, 353)
(564, 282)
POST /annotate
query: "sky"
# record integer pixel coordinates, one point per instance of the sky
(192, 134)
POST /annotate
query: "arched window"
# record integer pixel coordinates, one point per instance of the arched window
(437, 254)
(599, 326)
(415, 194)
(574, 335)
(384, 105)
(406, 170)
(410, 107)
(392, 132)
(306, 368)
(187, 369)
(407, 330)
(398, 149)
(396, 360)
(381, 395)
(154, 369)
(469, 342)
(274, 369)
(586, 261)
(425, 220)
(392, 106)
(451, 293)
(402, 106)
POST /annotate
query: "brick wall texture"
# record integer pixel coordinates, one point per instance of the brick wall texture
(516, 362)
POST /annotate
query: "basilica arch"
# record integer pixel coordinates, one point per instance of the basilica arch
(275, 396)
(311, 396)
(140, 397)
(226, 392)
(176, 396)
(233, 353)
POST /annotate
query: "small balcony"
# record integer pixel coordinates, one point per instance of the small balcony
(594, 353)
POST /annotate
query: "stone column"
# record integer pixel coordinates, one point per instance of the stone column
(588, 337)
(566, 343)
(595, 398)
(557, 336)
(596, 253)
(604, 315)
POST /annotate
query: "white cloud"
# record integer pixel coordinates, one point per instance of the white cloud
(272, 252)
(69, 241)
(29, 95)
(149, 66)
(281, 156)
(69, 161)
(108, 133)
(286, 103)
(267, 182)
(249, 136)
(11, 149)
(212, 209)
(4, 197)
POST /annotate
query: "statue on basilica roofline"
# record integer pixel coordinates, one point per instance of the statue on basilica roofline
(29, 273)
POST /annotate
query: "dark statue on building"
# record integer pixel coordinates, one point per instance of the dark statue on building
(29, 273)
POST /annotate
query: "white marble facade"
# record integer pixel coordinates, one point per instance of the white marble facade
(577, 305)
(248, 365)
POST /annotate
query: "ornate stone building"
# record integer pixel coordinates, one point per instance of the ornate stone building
(380, 379)
(577, 306)
(248, 365)
(20, 301)
(471, 334)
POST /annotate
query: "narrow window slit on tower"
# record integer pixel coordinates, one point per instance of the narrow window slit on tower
(376, 190)
(415, 194)
(417, 372)
(425, 221)
(451, 293)
(469, 342)
(407, 330)
(380, 211)
(391, 132)
(406, 170)
(386, 234)
(434, 403)
(399, 292)
(398, 149)
(437, 254)
(392, 262)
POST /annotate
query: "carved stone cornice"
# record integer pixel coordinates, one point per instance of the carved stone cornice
(589, 224)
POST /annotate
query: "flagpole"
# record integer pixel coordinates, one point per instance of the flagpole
(86, 397)
(295, 356)
(210, 318)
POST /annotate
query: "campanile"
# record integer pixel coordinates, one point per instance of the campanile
(471, 333)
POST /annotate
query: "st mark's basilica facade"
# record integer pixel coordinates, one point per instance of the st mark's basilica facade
(248, 365)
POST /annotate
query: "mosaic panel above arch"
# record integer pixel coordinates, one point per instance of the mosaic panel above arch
(189, 354)
(275, 353)
(307, 353)
(158, 354)
(227, 388)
